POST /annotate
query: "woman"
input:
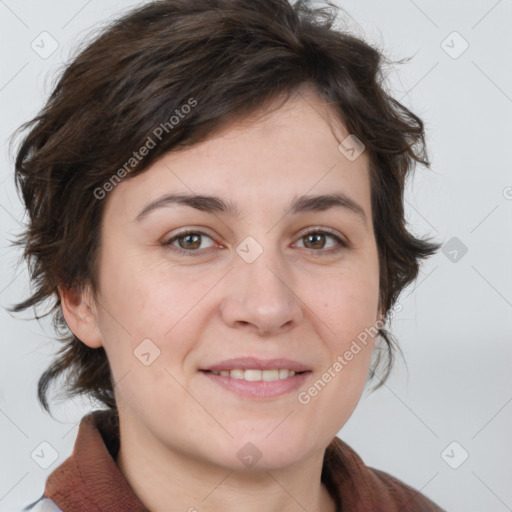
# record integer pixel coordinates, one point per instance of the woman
(215, 193)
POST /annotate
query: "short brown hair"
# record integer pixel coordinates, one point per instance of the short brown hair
(232, 57)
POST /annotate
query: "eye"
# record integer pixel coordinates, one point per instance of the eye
(189, 242)
(315, 240)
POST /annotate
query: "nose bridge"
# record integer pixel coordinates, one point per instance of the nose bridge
(261, 291)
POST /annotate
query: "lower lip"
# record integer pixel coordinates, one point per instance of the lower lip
(261, 388)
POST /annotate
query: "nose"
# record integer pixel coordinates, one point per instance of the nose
(260, 297)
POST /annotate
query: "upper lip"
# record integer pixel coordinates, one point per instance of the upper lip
(253, 363)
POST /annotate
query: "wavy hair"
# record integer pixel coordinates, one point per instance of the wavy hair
(234, 57)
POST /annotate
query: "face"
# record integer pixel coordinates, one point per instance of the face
(187, 287)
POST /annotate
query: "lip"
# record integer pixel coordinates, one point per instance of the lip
(258, 389)
(253, 363)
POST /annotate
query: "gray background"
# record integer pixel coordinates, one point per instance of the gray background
(455, 324)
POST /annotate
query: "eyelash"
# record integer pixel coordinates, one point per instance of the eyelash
(197, 252)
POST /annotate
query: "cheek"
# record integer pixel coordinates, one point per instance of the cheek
(348, 305)
(149, 329)
(145, 301)
(141, 295)
(350, 311)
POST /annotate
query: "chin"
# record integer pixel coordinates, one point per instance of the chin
(256, 451)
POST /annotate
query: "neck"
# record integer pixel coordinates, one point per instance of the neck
(160, 476)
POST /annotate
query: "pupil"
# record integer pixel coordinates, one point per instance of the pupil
(188, 238)
(192, 239)
(317, 236)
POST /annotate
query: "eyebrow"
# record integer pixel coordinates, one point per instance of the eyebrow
(213, 204)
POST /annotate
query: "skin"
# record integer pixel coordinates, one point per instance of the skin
(180, 433)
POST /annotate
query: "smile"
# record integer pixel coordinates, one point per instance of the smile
(253, 375)
(257, 384)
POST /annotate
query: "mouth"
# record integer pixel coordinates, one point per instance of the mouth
(256, 375)
(256, 378)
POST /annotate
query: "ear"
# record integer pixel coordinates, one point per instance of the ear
(80, 312)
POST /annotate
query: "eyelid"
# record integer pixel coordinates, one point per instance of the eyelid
(167, 242)
(320, 229)
(342, 241)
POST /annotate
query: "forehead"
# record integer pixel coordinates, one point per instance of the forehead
(263, 160)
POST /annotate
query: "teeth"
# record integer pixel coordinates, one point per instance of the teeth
(257, 375)
(283, 373)
(236, 374)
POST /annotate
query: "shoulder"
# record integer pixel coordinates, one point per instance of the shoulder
(402, 495)
(42, 505)
(361, 487)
